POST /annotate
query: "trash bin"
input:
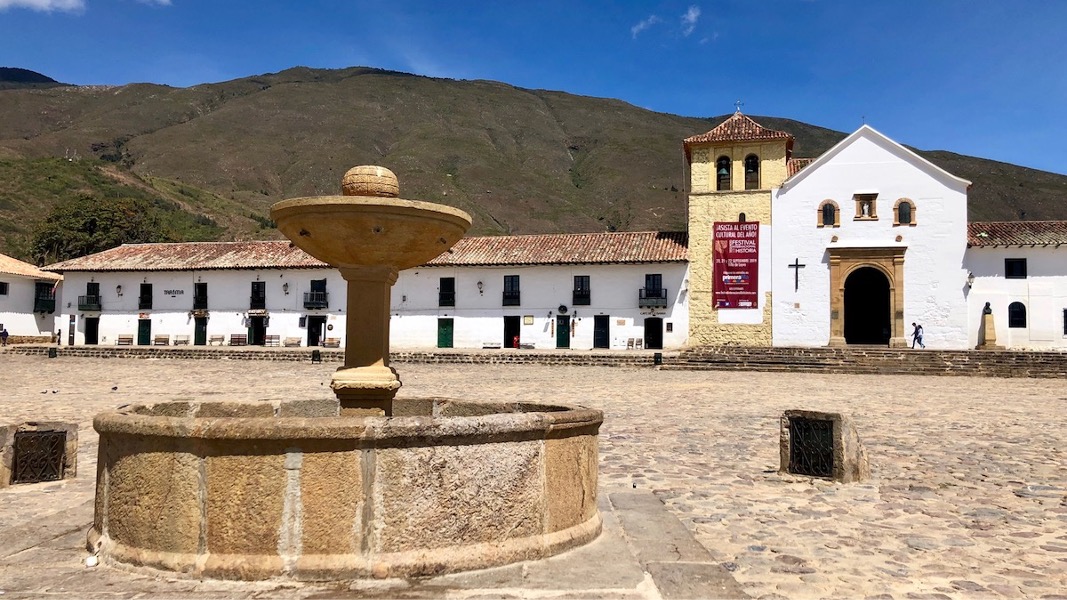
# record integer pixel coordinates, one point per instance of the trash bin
(52, 353)
(657, 358)
(316, 356)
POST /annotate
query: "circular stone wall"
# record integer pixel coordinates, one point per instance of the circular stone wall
(260, 490)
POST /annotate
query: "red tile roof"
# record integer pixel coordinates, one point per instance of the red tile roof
(13, 266)
(794, 165)
(582, 248)
(738, 128)
(569, 248)
(193, 256)
(1017, 233)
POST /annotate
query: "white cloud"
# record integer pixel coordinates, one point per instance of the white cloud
(153, 2)
(689, 20)
(45, 5)
(643, 25)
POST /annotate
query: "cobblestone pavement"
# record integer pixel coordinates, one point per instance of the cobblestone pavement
(968, 495)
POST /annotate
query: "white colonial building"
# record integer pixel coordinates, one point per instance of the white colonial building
(582, 291)
(27, 300)
(1020, 269)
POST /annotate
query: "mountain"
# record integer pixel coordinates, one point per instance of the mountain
(11, 78)
(518, 160)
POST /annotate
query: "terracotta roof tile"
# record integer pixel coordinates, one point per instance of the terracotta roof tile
(582, 248)
(1016, 233)
(192, 256)
(568, 248)
(738, 128)
(13, 266)
(794, 165)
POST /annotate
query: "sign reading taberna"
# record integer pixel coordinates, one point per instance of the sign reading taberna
(735, 260)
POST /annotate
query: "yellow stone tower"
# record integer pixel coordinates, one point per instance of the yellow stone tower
(733, 169)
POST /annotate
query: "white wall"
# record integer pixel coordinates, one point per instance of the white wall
(229, 294)
(16, 308)
(415, 311)
(479, 316)
(1043, 292)
(934, 275)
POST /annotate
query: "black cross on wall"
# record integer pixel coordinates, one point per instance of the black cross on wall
(796, 266)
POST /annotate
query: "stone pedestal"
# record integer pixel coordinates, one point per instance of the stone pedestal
(366, 384)
(987, 334)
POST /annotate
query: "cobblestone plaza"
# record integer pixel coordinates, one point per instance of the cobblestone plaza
(968, 494)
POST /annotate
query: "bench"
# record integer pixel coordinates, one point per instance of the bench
(161, 340)
(238, 339)
(292, 342)
(491, 345)
(181, 340)
(124, 340)
(272, 340)
(331, 343)
(215, 340)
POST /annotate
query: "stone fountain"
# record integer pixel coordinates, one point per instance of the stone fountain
(361, 485)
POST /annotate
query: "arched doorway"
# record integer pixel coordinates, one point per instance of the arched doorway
(867, 307)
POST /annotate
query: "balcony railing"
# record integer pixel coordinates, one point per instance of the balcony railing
(580, 298)
(652, 298)
(199, 302)
(88, 302)
(44, 305)
(257, 302)
(446, 298)
(316, 300)
(511, 298)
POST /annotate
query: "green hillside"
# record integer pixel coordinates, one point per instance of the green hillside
(518, 160)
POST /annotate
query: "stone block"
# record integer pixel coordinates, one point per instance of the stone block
(570, 480)
(235, 409)
(245, 493)
(332, 500)
(151, 493)
(69, 468)
(848, 456)
(328, 407)
(440, 496)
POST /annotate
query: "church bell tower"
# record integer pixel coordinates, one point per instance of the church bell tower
(733, 169)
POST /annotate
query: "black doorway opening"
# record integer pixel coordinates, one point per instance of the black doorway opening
(867, 307)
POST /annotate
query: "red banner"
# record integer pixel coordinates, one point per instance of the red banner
(735, 260)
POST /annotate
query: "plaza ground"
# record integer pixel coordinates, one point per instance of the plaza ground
(968, 495)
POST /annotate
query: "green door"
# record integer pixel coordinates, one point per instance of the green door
(444, 333)
(563, 331)
(144, 332)
(200, 331)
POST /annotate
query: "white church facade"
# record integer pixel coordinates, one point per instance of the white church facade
(850, 248)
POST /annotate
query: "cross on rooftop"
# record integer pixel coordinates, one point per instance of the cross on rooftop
(739, 104)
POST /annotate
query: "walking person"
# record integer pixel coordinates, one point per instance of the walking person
(3, 335)
(917, 336)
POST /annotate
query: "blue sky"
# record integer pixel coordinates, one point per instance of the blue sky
(977, 77)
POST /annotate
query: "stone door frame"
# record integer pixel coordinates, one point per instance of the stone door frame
(889, 260)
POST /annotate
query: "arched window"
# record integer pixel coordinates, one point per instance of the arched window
(829, 214)
(722, 173)
(741, 217)
(751, 172)
(904, 212)
(1016, 315)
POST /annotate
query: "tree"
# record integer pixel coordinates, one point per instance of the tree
(86, 224)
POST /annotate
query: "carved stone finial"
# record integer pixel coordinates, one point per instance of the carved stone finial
(370, 180)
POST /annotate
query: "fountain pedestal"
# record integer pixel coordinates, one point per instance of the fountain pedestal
(369, 235)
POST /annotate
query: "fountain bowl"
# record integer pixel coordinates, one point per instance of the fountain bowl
(357, 231)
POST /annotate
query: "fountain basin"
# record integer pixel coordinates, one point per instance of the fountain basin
(355, 231)
(261, 490)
